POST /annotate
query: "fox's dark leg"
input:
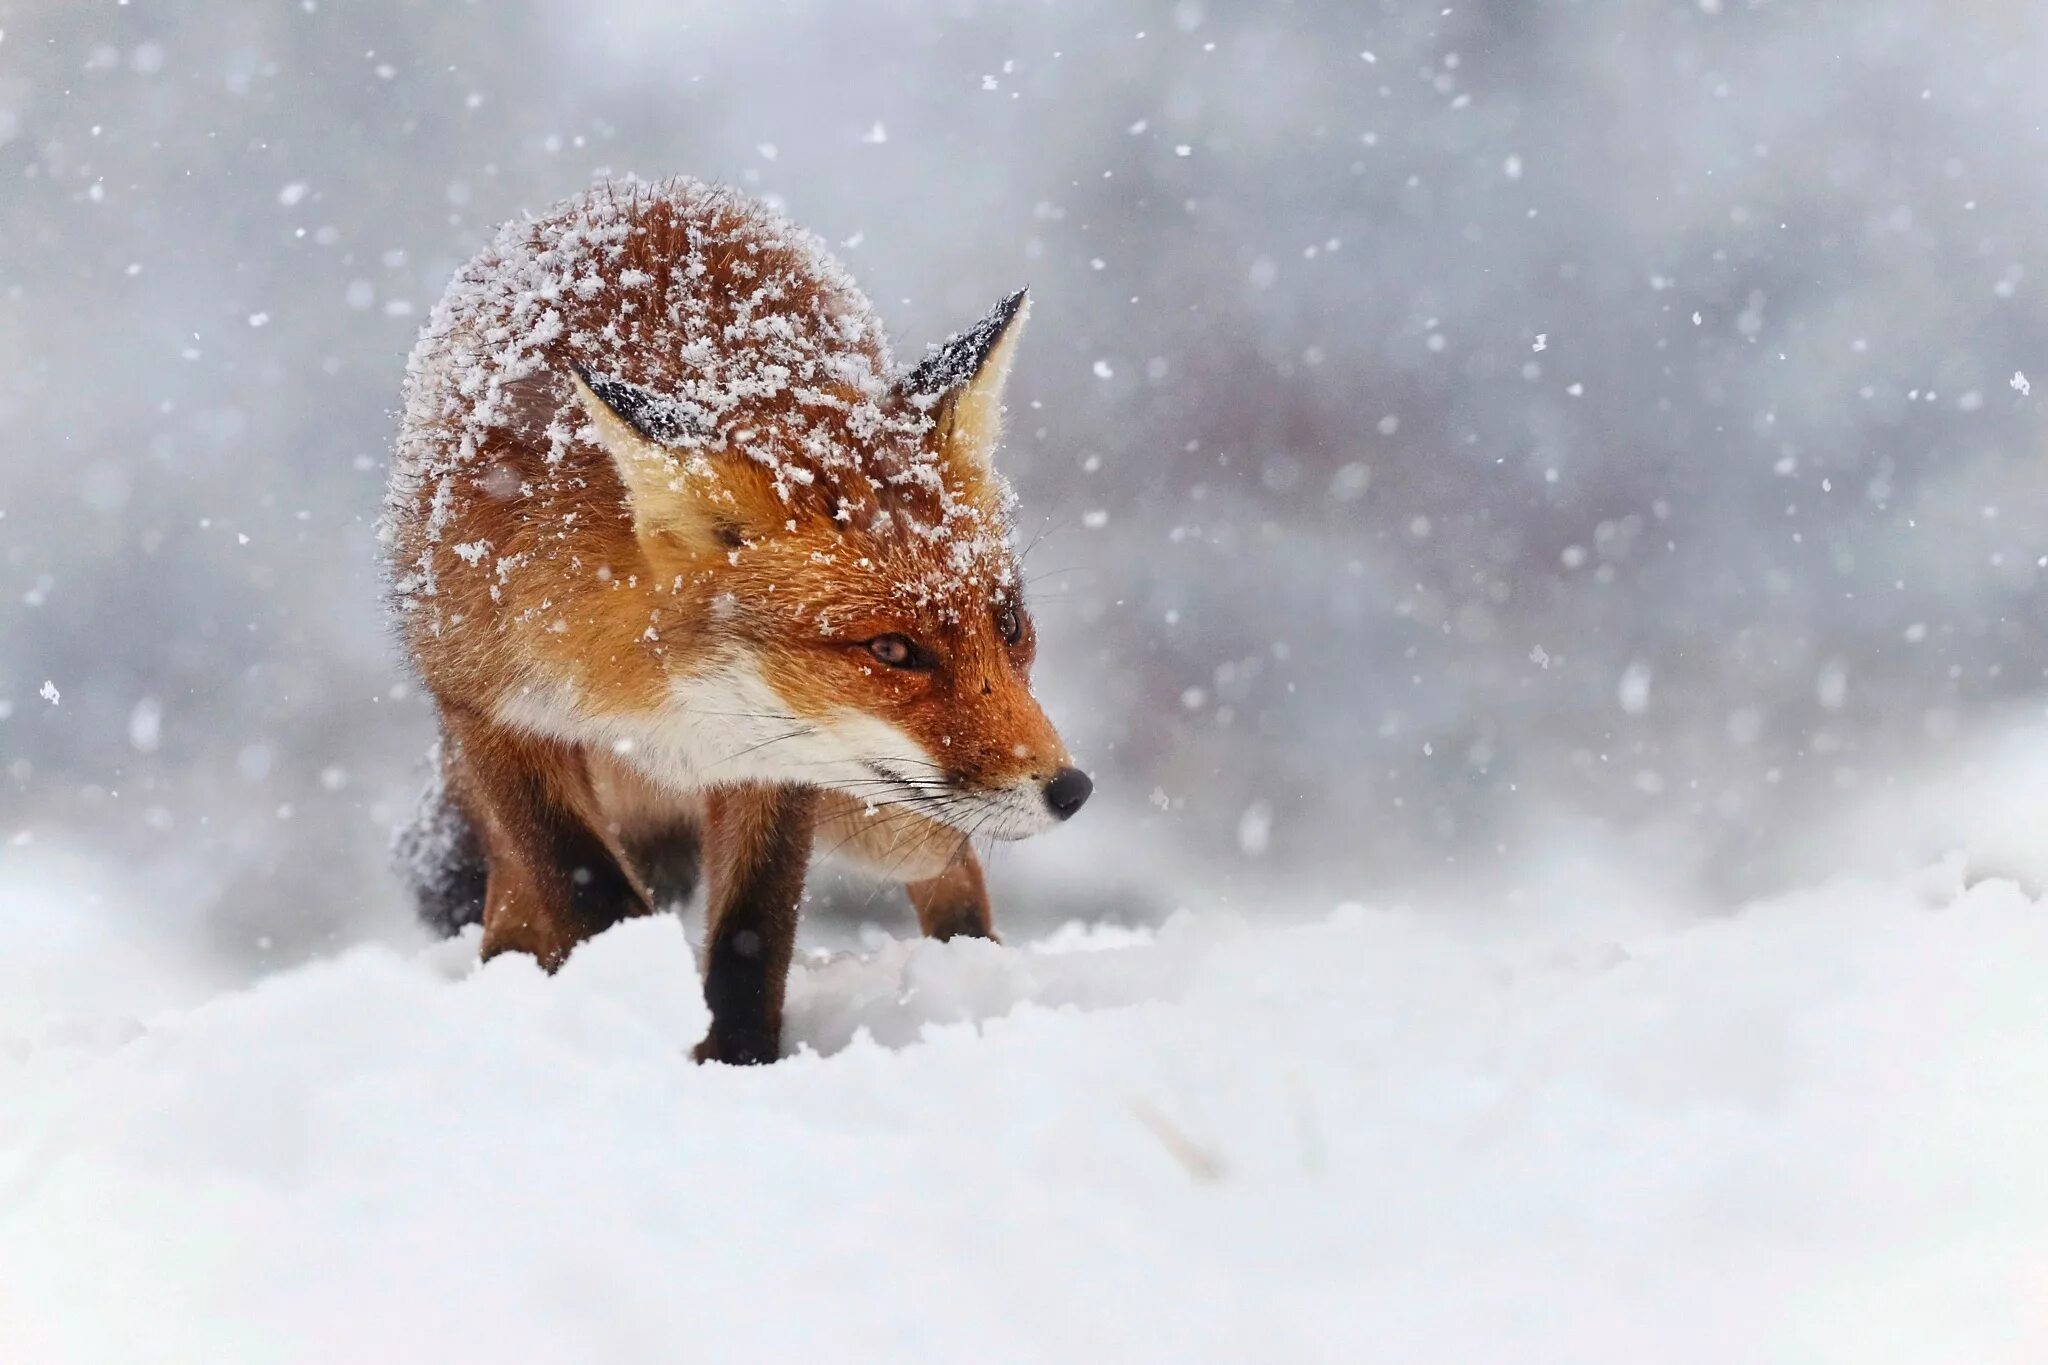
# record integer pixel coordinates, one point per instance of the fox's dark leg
(554, 880)
(660, 833)
(954, 903)
(757, 843)
(668, 860)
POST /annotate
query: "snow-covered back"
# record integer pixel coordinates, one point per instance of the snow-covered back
(713, 324)
(801, 327)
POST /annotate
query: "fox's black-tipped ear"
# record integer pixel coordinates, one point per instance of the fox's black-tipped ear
(963, 357)
(961, 384)
(660, 418)
(674, 491)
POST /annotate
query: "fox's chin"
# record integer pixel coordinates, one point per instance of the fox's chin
(1002, 815)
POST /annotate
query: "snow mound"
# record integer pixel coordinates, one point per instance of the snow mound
(1813, 1131)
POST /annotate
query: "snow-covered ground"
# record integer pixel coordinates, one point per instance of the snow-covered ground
(1814, 1130)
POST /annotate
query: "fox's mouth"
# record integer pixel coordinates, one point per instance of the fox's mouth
(1002, 813)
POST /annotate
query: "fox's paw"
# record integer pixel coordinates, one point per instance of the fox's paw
(738, 1047)
(967, 924)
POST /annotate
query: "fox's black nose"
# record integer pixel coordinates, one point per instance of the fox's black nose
(1068, 791)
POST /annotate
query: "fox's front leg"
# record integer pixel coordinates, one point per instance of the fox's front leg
(757, 845)
(934, 862)
(954, 904)
(553, 879)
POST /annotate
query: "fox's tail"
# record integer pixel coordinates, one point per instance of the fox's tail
(440, 858)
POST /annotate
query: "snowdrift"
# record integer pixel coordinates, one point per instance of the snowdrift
(1813, 1131)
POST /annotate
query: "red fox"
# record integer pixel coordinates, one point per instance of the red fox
(695, 576)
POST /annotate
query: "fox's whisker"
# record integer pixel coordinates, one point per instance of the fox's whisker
(798, 733)
(1047, 575)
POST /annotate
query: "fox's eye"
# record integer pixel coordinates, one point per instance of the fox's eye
(1009, 625)
(896, 651)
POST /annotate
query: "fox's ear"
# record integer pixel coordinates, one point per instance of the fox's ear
(961, 385)
(655, 418)
(658, 445)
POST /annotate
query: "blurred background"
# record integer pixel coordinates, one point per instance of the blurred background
(1465, 437)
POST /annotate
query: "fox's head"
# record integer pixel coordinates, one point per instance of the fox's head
(847, 585)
